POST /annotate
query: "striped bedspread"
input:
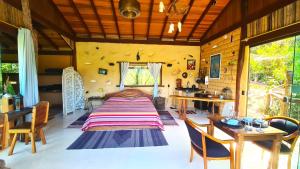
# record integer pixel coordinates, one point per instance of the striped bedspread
(118, 111)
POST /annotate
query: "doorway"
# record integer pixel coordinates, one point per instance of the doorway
(274, 79)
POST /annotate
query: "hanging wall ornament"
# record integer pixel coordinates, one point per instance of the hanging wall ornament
(138, 56)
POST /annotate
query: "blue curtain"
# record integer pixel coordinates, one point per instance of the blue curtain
(154, 69)
(27, 68)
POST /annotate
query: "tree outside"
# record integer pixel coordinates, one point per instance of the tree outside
(274, 78)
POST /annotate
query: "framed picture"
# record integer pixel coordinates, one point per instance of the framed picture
(102, 71)
(191, 64)
(215, 66)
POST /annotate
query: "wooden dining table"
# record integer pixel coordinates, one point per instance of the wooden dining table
(240, 136)
(9, 121)
(183, 103)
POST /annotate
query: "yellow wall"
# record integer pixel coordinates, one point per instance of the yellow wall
(53, 61)
(229, 54)
(114, 52)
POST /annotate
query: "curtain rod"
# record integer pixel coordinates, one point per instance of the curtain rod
(9, 24)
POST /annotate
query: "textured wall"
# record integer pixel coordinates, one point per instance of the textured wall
(229, 51)
(113, 52)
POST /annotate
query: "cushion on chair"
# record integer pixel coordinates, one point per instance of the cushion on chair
(268, 145)
(284, 125)
(213, 148)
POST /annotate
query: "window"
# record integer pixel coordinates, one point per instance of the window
(139, 75)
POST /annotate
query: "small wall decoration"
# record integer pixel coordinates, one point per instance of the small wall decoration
(102, 71)
(191, 64)
(215, 66)
(169, 65)
(184, 75)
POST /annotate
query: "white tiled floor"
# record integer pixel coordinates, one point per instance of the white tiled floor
(54, 155)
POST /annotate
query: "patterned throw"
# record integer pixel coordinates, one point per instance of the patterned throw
(118, 111)
(165, 116)
(119, 139)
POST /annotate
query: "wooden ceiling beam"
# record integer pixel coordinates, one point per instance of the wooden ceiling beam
(47, 38)
(115, 17)
(201, 18)
(184, 17)
(41, 52)
(149, 17)
(73, 5)
(8, 28)
(149, 41)
(69, 42)
(63, 17)
(132, 28)
(203, 37)
(98, 18)
(52, 19)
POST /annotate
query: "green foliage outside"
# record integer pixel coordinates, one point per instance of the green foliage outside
(139, 75)
(9, 67)
(269, 65)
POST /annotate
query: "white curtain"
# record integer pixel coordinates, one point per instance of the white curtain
(27, 68)
(154, 69)
(124, 70)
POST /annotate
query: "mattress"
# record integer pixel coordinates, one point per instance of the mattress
(124, 112)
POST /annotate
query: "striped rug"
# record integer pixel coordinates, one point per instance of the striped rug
(119, 139)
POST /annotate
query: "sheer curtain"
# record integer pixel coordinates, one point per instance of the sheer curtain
(154, 69)
(27, 68)
(124, 70)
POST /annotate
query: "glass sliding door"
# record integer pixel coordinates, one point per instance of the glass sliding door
(294, 110)
(271, 69)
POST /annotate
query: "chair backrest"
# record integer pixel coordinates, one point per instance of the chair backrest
(195, 135)
(40, 114)
(287, 124)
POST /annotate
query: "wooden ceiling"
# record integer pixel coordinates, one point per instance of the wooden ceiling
(99, 20)
(47, 40)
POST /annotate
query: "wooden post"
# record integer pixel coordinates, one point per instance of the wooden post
(28, 24)
(241, 58)
(268, 102)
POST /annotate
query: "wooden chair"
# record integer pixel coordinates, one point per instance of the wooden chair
(39, 120)
(207, 146)
(289, 125)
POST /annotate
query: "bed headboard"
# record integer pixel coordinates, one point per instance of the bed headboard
(129, 93)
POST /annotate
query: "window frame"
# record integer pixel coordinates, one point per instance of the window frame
(143, 64)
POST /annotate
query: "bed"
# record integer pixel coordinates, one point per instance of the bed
(127, 109)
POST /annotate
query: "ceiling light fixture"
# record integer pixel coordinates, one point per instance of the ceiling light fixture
(175, 10)
(129, 9)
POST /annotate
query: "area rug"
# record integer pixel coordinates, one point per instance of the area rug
(189, 112)
(119, 139)
(165, 117)
(79, 122)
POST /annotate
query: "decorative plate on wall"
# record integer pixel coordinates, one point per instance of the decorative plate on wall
(184, 75)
